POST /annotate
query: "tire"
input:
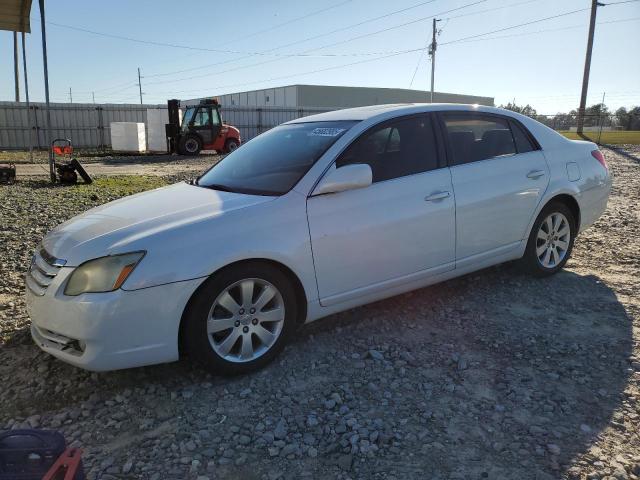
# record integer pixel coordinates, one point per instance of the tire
(210, 329)
(556, 225)
(190, 145)
(230, 145)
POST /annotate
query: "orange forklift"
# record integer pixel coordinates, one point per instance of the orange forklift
(202, 128)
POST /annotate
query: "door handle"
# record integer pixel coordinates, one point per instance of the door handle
(534, 174)
(436, 196)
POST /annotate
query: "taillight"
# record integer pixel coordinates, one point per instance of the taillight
(597, 154)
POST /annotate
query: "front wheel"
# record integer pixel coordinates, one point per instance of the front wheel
(240, 318)
(190, 145)
(550, 241)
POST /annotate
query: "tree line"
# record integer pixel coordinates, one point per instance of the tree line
(595, 115)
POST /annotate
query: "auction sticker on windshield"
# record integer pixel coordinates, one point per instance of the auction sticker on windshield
(326, 132)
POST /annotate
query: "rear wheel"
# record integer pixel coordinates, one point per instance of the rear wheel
(190, 145)
(551, 240)
(240, 318)
(231, 144)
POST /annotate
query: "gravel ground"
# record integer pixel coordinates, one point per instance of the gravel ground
(493, 375)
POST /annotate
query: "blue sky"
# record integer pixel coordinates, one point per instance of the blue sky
(258, 40)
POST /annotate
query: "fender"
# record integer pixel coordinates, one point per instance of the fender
(256, 236)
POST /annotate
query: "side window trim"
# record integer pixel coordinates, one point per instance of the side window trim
(442, 136)
(440, 142)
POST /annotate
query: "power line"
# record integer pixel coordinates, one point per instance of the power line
(619, 3)
(143, 42)
(288, 22)
(243, 52)
(375, 33)
(323, 46)
(516, 26)
(548, 30)
(349, 27)
(217, 50)
(304, 40)
(502, 7)
(413, 77)
(386, 56)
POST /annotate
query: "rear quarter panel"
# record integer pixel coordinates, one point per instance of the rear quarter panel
(573, 171)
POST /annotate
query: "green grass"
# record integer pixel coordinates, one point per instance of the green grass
(123, 185)
(614, 137)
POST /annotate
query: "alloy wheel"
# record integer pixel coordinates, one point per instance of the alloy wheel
(245, 320)
(553, 240)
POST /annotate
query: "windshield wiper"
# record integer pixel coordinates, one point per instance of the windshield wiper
(217, 186)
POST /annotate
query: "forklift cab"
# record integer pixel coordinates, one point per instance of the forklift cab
(204, 121)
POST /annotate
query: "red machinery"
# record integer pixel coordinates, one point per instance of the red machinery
(202, 128)
(68, 171)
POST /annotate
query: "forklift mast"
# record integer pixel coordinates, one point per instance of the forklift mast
(172, 129)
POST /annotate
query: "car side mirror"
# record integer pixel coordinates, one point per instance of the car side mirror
(349, 177)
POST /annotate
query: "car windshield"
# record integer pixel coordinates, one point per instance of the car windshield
(272, 163)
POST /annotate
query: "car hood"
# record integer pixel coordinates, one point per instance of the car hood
(123, 225)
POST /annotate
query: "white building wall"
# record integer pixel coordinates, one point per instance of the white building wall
(334, 97)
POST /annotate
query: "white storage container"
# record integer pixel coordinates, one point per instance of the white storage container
(157, 118)
(128, 137)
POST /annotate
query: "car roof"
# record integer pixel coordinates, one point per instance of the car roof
(371, 111)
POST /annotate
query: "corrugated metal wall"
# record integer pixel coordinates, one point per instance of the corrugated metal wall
(87, 125)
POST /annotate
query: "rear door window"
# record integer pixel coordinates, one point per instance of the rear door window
(474, 137)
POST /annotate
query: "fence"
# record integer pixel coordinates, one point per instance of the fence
(88, 125)
(592, 122)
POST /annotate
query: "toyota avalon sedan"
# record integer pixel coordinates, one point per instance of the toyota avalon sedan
(315, 216)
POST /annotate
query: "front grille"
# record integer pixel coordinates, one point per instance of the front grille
(44, 267)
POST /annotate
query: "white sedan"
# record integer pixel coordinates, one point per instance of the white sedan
(315, 216)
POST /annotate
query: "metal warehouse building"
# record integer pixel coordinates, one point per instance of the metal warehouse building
(334, 97)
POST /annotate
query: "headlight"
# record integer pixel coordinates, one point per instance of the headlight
(103, 274)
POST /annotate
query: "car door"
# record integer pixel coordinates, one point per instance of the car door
(499, 176)
(402, 224)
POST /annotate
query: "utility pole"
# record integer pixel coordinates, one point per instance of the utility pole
(52, 171)
(93, 96)
(587, 65)
(16, 71)
(70, 96)
(432, 51)
(26, 95)
(139, 85)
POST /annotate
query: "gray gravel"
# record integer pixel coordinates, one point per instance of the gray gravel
(493, 375)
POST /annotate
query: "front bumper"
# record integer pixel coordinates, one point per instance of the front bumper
(109, 331)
